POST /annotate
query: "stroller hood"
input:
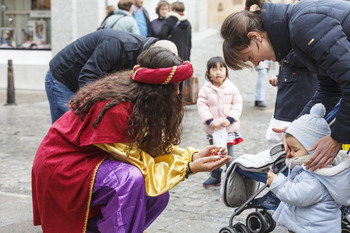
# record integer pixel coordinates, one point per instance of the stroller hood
(336, 178)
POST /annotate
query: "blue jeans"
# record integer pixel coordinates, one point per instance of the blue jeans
(58, 95)
(260, 85)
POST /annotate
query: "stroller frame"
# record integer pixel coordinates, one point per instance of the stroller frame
(270, 224)
(256, 221)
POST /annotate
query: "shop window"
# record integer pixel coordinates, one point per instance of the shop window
(25, 24)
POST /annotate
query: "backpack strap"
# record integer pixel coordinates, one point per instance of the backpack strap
(104, 22)
(175, 26)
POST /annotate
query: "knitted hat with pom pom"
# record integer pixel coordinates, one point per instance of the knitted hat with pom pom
(310, 127)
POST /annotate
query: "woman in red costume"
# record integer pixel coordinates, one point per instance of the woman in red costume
(108, 164)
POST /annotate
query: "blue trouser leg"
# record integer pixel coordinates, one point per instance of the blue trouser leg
(58, 95)
(260, 85)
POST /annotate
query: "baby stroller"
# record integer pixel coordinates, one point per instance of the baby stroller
(240, 189)
(242, 178)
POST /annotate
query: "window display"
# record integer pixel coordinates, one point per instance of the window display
(25, 26)
(8, 38)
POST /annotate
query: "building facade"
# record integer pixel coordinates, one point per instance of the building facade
(33, 31)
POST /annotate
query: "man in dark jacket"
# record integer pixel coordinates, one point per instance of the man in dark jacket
(89, 58)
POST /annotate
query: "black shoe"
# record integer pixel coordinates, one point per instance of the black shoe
(211, 182)
(260, 104)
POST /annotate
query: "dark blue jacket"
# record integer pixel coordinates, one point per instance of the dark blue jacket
(156, 25)
(96, 54)
(296, 86)
(318, 32)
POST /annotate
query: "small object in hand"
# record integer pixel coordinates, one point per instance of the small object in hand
(218, 152)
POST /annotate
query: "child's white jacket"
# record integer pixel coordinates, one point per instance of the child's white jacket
(218, 103)
(311, 201)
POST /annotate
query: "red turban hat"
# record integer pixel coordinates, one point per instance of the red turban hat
(166, 75)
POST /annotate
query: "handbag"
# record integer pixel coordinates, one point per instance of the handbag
(191, 90)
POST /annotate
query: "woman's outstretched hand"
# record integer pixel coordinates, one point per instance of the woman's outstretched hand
(206, 160)
(326, 150)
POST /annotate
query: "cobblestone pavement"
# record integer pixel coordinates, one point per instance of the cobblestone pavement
(192, 208)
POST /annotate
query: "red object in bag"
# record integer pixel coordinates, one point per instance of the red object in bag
(191, 90)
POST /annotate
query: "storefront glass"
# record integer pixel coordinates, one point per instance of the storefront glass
(25, 24)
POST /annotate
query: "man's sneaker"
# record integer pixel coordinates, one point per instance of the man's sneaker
(211, 182)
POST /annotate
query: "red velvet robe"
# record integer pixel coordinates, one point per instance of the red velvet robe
(66, 163)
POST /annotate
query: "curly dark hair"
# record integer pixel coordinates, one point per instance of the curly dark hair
(155, 123)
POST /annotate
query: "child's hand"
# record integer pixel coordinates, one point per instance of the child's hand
(273, 81)
(225, 123)
(270, 177)
(214, 125)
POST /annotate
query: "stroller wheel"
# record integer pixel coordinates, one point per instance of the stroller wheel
(271, 224)
(227, 230)
(240, 228)
(345, 227)
(256, 222)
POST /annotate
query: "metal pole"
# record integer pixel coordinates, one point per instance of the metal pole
(10, 84)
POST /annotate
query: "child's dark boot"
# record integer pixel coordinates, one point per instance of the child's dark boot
(214, 179)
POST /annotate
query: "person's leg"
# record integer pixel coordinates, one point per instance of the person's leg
(58, 95)
(120, 189)
(215, 176)
(260, 88)
(230, 153)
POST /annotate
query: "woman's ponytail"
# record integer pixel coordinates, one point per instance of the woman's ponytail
(250, 3)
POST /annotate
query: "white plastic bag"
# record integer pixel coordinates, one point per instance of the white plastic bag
(220, 138)
(273, 137)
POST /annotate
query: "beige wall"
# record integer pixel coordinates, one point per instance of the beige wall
(218, 10)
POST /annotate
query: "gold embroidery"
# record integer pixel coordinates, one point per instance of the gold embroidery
(90, 194)
(310, 42)
(133, 72)
(170, 76)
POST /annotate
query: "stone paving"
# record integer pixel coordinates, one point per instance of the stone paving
(192, 208)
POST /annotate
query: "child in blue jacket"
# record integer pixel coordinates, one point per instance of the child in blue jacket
(311, 201)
